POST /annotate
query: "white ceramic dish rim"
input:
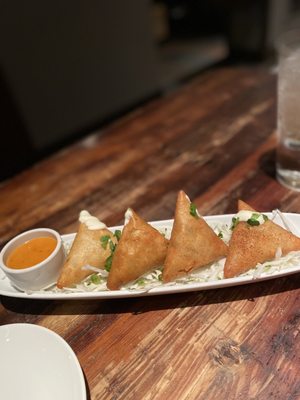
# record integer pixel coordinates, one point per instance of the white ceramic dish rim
(56, 340)
(294, 222)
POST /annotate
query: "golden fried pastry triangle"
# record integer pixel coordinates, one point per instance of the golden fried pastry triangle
(140, 249)
(244, 206)
(193, 243)
(86, 250)
(250, 245)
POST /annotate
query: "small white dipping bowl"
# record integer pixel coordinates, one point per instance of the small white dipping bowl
(38, 276)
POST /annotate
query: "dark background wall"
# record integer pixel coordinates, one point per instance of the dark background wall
(66, 67)
(68, 64)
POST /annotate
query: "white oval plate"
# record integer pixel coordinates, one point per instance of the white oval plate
(291, 221)
(37, 364)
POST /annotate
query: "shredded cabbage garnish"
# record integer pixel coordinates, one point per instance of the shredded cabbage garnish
(210, 273)
(270, 267)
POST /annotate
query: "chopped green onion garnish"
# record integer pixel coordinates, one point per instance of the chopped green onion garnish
(235, 221)
(141, 282)
(108, 263)
(112, 246)
(255, 216)
(95, 279)
(193, 210)
(104, 241)
(220, 234)
(252, 222)
(118, 234)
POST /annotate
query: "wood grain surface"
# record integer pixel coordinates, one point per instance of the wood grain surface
(215, 139)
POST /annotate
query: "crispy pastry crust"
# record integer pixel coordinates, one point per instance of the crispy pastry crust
(250, 245)
(86, 250)
(140, 249)
(193, 243)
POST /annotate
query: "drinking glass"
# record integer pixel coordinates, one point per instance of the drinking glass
(288, 120)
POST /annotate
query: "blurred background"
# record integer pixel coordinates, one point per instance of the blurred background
(70, 67)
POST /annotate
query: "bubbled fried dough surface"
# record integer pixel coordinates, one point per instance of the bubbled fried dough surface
(140, 249)
(250, 245)
(193, 242)
(86, 250)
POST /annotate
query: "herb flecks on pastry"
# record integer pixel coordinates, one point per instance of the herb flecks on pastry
(255, 239)
(87, 250)
(141, 249)
(193, 242)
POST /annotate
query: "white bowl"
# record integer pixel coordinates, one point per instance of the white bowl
(38, 276)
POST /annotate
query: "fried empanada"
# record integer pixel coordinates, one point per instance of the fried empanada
(140, 249)
(193, 242)
(87, 249)
(250, 245)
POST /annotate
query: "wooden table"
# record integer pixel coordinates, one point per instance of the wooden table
(213, 138)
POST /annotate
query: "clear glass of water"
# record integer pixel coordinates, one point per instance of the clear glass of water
(288, 119)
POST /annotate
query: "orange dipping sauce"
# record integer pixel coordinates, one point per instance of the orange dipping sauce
(31, 252)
